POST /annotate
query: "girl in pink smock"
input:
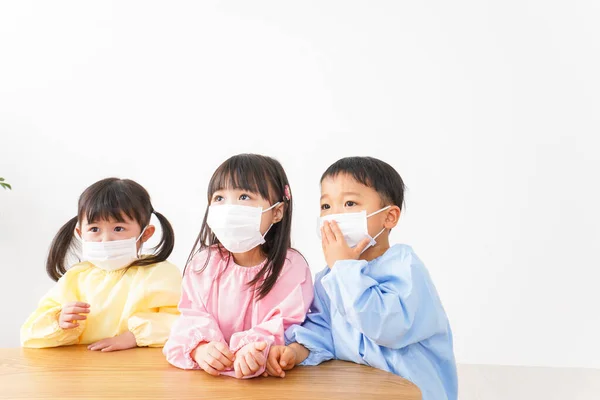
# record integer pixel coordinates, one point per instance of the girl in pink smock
(243, 285)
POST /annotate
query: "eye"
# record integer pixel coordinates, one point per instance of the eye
(119, 229)
(325, 207)
(244, 197)
(217, 198)
(94, 229)
(350, 203)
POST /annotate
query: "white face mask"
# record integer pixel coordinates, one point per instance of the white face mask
(113, 255)
(353, 226)
(237, 227)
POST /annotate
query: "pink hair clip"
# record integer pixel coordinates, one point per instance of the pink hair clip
(287, 194)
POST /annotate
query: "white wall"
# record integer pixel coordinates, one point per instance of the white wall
(488, 111)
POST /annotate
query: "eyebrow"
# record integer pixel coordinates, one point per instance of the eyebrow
(345, 194)
(96, 222)
(235, 190)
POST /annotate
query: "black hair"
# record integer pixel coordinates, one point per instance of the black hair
(373, 173)
(265, 176)
(110, 198)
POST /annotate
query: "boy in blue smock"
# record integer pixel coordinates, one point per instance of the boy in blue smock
(374, 304)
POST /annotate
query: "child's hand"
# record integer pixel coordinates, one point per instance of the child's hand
(213, 357)
(281, 358)
(123, 341)
(71, 313)
(335, 247)
(249, 359)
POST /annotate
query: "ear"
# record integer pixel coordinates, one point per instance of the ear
(77, 233)
(392, 217)
(148, 233)
(278, 213)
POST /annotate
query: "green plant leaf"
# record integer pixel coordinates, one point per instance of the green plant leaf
(5, 185)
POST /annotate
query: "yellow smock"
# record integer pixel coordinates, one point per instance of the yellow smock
(142, 300)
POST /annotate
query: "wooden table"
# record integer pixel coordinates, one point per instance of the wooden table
(77, 373)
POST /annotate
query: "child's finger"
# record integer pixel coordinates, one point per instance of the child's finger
(287, 359)
(77, 304)
(77, 316)
(75, 310)
(270, 369)
(98, 345)
(223, 349)
(112, 347)
(210, 370)
(95, 344)
(67, 325)
(361, 246)
(251, 362)
(237, 369)
(243, 366)
(259, 356)
(324, 244)
(273, 367)
(216, 364)
(260, 346)
(328, 232)
(324, 241)
(73, 317)
(220, 357)
(339, 236)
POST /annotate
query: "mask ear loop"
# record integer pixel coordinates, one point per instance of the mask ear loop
(264, 211)
(380, 232)
(141, 244)
(377, 212)
(80, 247)
(141, 234)
(270, 226)
(265, 235)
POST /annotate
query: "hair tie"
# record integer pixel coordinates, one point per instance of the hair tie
(287, 194)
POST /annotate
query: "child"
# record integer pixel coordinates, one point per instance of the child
(113, 299)
(244, 284)
(374, 304)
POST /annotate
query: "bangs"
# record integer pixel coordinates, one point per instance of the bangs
(111, 202)
(353, 167)
(241, 173)
(358, 176)
(373, 173)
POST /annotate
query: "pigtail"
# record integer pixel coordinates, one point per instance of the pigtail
(61, 244)
(164, 248)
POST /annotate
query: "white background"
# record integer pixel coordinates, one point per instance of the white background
(489, 111)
